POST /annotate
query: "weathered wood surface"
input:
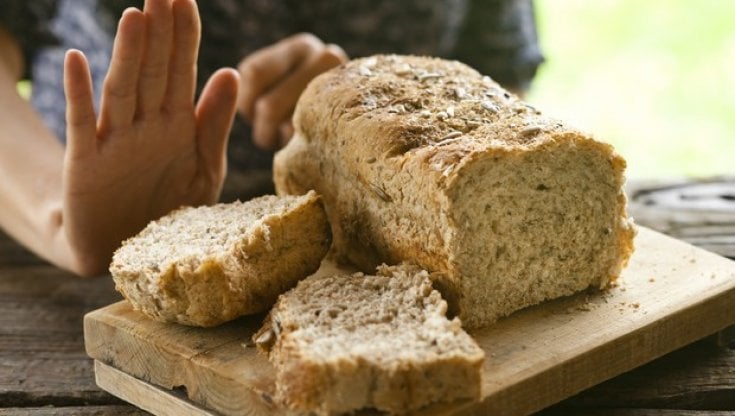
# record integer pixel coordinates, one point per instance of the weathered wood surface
(699, 212)
(44, 369)
(42, 358)
(670, 295)
(111, 410)
(145, 395)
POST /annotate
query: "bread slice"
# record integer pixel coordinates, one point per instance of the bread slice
(425, 160)
(340, 343)
(207, 265)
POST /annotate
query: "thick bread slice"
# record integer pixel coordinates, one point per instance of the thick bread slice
(340, 343)
(425, 160)
(204, 266)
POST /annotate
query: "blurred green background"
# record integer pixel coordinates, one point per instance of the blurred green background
(655, 78)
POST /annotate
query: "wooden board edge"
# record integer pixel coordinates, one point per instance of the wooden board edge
(142, 357)
(144, 395)
(665, 337)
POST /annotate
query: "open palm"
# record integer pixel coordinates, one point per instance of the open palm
(151, 149)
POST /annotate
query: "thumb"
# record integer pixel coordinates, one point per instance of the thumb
(215, 113)
(81, 121)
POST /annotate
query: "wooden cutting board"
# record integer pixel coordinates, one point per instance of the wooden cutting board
(670, 295)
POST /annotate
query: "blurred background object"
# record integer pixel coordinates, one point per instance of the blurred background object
(655, 78)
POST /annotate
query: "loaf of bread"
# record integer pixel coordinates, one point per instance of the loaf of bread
(340, 343)
(205, 266)
(425, 160)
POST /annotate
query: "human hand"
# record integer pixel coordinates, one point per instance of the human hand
(151, 150)
(273, 79)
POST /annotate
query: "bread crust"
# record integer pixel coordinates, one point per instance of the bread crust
(418, 356)
(243, 278)
(396, 143)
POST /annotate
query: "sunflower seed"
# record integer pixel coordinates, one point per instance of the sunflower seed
(530, 131)
(489, 106)
(380, 192)
(428, 75)
(403, 69)
(451, 135)
(365, 71)
(460, 93)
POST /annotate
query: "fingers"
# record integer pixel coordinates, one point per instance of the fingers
(81, 122)
(274, 77)
(263, 68)
(285, 132)
(154, 68)
(154, 62)
(276, 105)
(214, 115)
(119, 94)
(182, 70)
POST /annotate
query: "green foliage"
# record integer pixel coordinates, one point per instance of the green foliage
(24, 89)
(655, 78)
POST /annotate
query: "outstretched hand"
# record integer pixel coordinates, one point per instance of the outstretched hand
(273, 79)
(151, 149)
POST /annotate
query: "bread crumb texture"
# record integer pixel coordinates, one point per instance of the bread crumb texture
(346, 342)
(204, 266)
(425, 160)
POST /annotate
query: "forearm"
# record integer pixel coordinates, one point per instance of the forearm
(31, 163)
(30, 169)
(30, 179)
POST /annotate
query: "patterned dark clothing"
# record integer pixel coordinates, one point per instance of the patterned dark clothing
(497, 37)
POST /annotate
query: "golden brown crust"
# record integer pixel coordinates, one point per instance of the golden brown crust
(402, 148)
(341, 343)
(244, 278)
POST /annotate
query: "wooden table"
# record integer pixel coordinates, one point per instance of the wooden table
(45, 371)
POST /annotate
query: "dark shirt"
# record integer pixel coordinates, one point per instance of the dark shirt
(497, 37)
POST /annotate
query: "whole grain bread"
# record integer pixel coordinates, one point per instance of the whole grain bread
(207, 265)
(340, 343)
(425, 160)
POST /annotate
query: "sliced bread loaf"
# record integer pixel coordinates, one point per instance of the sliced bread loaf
(425, 160)
(340, 343)
(207, 265)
